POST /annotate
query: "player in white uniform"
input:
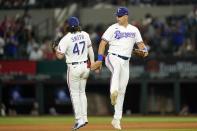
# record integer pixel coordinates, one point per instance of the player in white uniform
(121, 38)
(75, 46)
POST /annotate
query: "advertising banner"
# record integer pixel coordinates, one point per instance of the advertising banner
(17, 67)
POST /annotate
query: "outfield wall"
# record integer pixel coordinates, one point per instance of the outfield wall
(159, 86)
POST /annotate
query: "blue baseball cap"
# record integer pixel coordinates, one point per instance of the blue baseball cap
(121, 11)
(73, 21)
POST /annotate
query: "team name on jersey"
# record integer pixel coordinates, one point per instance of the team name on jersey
(119, 34)
(77, 37)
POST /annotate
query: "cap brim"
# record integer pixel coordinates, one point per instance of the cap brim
(118, 15)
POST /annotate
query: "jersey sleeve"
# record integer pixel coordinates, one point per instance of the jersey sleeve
(62, 46)
(108, 34)
(138, 37)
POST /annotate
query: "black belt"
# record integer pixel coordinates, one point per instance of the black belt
(123, 57)
(75, 63)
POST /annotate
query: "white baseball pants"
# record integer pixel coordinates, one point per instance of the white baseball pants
(76, 79)
(119, 80)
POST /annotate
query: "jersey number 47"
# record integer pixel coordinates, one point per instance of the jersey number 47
(79, 48)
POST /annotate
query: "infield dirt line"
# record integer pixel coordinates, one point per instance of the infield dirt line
(101, 127)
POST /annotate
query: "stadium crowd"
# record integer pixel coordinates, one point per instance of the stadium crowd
(176, 36)
(18, 39)
(16, 4)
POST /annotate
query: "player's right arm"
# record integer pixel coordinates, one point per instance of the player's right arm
(107, 35)
(101, 50)
(61, 49)
(59, 55)
(102, 46)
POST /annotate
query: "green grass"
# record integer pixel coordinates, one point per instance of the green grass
(70, 119)
(98, 120)
(36, 120)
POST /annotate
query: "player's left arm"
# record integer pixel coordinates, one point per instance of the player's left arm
(141, 50)
(90, 49)
(141, 46)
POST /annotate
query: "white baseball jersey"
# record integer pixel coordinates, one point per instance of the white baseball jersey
(121, 40)
(75, 46)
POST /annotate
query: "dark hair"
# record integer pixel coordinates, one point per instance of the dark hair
(74, 29)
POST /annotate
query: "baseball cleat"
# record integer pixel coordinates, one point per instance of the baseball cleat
(85, 123)
(116, 124)
(78, 125)
(113, 97)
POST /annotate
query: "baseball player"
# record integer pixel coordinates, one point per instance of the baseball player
(121, 38)
(75, 46)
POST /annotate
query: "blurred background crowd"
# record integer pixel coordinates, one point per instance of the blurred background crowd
(10, 4)
(174, 36)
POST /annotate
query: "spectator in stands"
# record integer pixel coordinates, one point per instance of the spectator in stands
(11, 46)
(192, 26)
(36, 53)
(94, 35)
(29, 46)
(48, 54)
(178, 35)
(186, 49)
(61, 30)
(27, 20)
(2, 44)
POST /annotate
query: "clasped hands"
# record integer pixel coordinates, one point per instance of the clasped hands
(96, 65)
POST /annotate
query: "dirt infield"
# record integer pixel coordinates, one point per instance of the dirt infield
(100, 127)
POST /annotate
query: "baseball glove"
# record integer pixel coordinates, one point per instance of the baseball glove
(53, 45)
(140, 53)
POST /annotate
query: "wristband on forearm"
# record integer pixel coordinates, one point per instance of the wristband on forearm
(100, 57)
(145, 49)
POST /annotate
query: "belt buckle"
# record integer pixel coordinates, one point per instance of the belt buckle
(122, 57)
(114, 54)
(74, 63)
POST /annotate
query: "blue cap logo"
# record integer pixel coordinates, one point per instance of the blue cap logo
(121, 11)
(73, 21)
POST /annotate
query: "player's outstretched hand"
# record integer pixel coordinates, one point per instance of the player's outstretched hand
(96, 65)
